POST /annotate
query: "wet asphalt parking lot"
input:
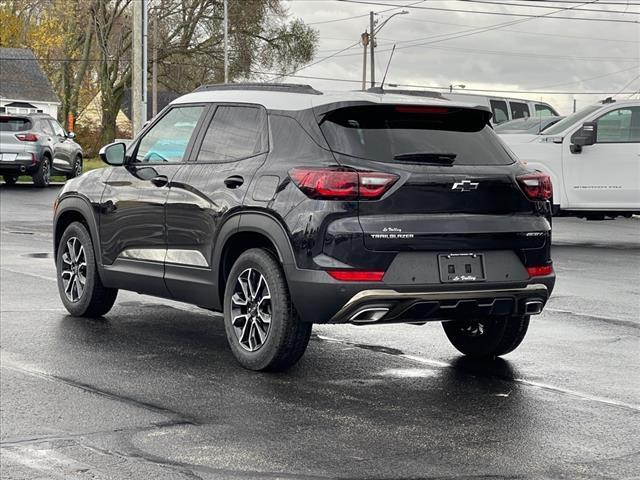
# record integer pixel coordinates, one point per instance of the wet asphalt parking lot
(151, 391)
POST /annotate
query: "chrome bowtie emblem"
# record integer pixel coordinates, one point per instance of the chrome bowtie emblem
(465, 186)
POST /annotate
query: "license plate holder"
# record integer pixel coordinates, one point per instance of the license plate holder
(461, 267)
(8, 157)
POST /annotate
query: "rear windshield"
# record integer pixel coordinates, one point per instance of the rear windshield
(13, 124)
(414, 134)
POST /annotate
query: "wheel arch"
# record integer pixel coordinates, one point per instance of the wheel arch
(245, 231)
(76, 209)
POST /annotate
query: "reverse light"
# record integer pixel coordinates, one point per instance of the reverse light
(540, 271)
(340, 184)
(27, 137)
(356, 275)
(536, 185)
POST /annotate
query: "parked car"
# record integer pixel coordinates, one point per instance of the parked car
(529, 125)
(592, 158)
(283, 206)
(505, 109)
(38, 146)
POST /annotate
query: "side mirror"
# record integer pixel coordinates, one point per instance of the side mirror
(71, 135)
(113, 154)
(584, 137)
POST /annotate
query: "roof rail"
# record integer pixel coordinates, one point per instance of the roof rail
(271, 87)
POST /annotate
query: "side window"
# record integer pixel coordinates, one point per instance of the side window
(57, 129)
(167, 140)
(543, 111)
(45, 127)
(619, 126)
(519, 110)
(234, 133)
(499, 109)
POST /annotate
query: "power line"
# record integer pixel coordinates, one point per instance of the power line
(508, 14)
(315, 63)
(435, 87)
(522, 32)
(475, 31)
(395, 7)
(635, 67)
(500, 4)
(627, 84)
(364, 14)
(511, 53)
(600, 2)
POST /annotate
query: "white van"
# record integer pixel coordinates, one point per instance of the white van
(504, 108)
(593, 158)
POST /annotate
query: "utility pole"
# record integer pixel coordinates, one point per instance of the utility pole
(226, 42)
(154, 71)
(574, 105)
(372, 40)
(139, 70)
(372, 44)
(365, 42)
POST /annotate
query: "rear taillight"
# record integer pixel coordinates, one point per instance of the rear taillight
(540, 271)
(340, 184)
(536, 185)
(27, 137)
(356, 275)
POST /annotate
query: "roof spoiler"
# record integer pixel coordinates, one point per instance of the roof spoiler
(413, 93)
(270, 87)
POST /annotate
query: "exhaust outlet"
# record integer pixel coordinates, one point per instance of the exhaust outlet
(369, 315)
(22, 169)
(533, 307)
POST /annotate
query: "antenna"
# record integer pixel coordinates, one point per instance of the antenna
(388, 63)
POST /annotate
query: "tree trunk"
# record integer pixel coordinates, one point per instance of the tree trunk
(109, 115)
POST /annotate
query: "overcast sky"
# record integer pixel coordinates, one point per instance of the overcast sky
(537, 54)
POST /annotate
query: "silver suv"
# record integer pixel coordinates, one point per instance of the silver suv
(38, 146)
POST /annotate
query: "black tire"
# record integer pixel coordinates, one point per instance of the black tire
(487, 338)
(10, 179)
(42, 175)
(95, 299)
(76, 169)
(286, 337)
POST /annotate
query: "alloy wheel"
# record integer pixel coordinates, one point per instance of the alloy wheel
(74, 269)
(46, 172)
(78, 167)
(251, 309)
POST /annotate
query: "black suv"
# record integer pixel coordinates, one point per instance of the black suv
(283, 206)
(38, 146)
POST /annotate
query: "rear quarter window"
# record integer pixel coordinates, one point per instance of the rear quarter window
(406, 134)
(12, 124)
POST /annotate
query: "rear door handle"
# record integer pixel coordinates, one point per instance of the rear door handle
(233, 181)
(159, 181)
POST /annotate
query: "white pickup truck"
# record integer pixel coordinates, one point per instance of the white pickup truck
(593, 158)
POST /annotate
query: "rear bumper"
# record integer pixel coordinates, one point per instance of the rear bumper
(390, 306)
(320, 299)
(24, 164)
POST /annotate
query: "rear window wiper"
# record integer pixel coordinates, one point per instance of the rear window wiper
(426, 157)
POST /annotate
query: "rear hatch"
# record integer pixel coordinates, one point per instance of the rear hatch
(10, 128)
(456, 189)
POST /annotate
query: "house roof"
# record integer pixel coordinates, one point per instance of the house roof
(21, 77)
